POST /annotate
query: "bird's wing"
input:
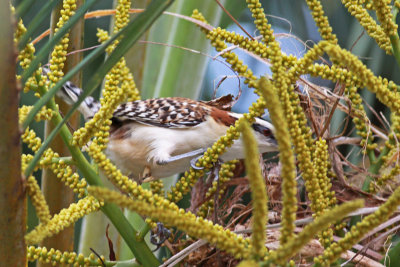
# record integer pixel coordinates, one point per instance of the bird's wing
(170, 112)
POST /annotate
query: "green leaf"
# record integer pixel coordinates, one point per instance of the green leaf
(23, 7)
(393, 256)
(180, 72)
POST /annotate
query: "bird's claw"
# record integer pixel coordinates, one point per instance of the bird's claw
(194, 161)
(160, 235)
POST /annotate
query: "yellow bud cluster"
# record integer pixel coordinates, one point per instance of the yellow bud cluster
(288, 171)
(392, 143)
(62, 170)
(323, 197)
(26, 158)
(321, 21)
(68, 10)
(65, 218)
(197, 15)
(384, 13)
(56, 257)
(260, 21)
(59, 54)
(43, 114)
(360, 119)
(360, 229)
(258, 191)
(38, 200)
(157, 187)
(25, 56)
(121, 20)
(29, 137)
(253, 46)
(335, 73)
(121, 15)
(282, 255)
(224, 175)
(374, 30)
(121, 181)
(19, 31)
(381, 181)
(375, 84)
(167, 213)
(318, 187)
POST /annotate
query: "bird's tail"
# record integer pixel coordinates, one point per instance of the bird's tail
(70, 93)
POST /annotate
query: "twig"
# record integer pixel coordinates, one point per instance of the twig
(183, 253)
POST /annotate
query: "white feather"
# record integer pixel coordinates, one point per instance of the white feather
(147, 146)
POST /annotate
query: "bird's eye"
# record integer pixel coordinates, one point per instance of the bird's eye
(267, 132)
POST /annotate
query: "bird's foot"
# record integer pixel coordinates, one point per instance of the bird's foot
(159, 236)
(189, 154)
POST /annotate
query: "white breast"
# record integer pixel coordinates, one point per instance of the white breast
(144, 145)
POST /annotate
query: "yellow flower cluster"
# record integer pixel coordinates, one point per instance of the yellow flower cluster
(253, 46)
(25, 55)
(381, 181)
(260, 20)
(64, 172)
(393, 138)
(384, 13)
(29, 137)
(374, 30)
(360, 119)
(282, 255)
(168, 213)
(375, 84)
(118, 179)
(54, 257)
(63, 219)
(224, 175)
(258, 192)
(43, 114)
(321, 20)
(322, 196)
(335, 73)
(288, 171)
(157, 187)
(38, 200)
(59, 54)
(121, 15)
(61, 169)
(360, 229)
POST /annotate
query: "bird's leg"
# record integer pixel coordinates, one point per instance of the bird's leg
(182, 156)
(160, 235)
(146, 175)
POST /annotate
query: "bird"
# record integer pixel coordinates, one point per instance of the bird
(162, 137)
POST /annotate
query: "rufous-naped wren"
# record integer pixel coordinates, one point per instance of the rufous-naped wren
(165, 135)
